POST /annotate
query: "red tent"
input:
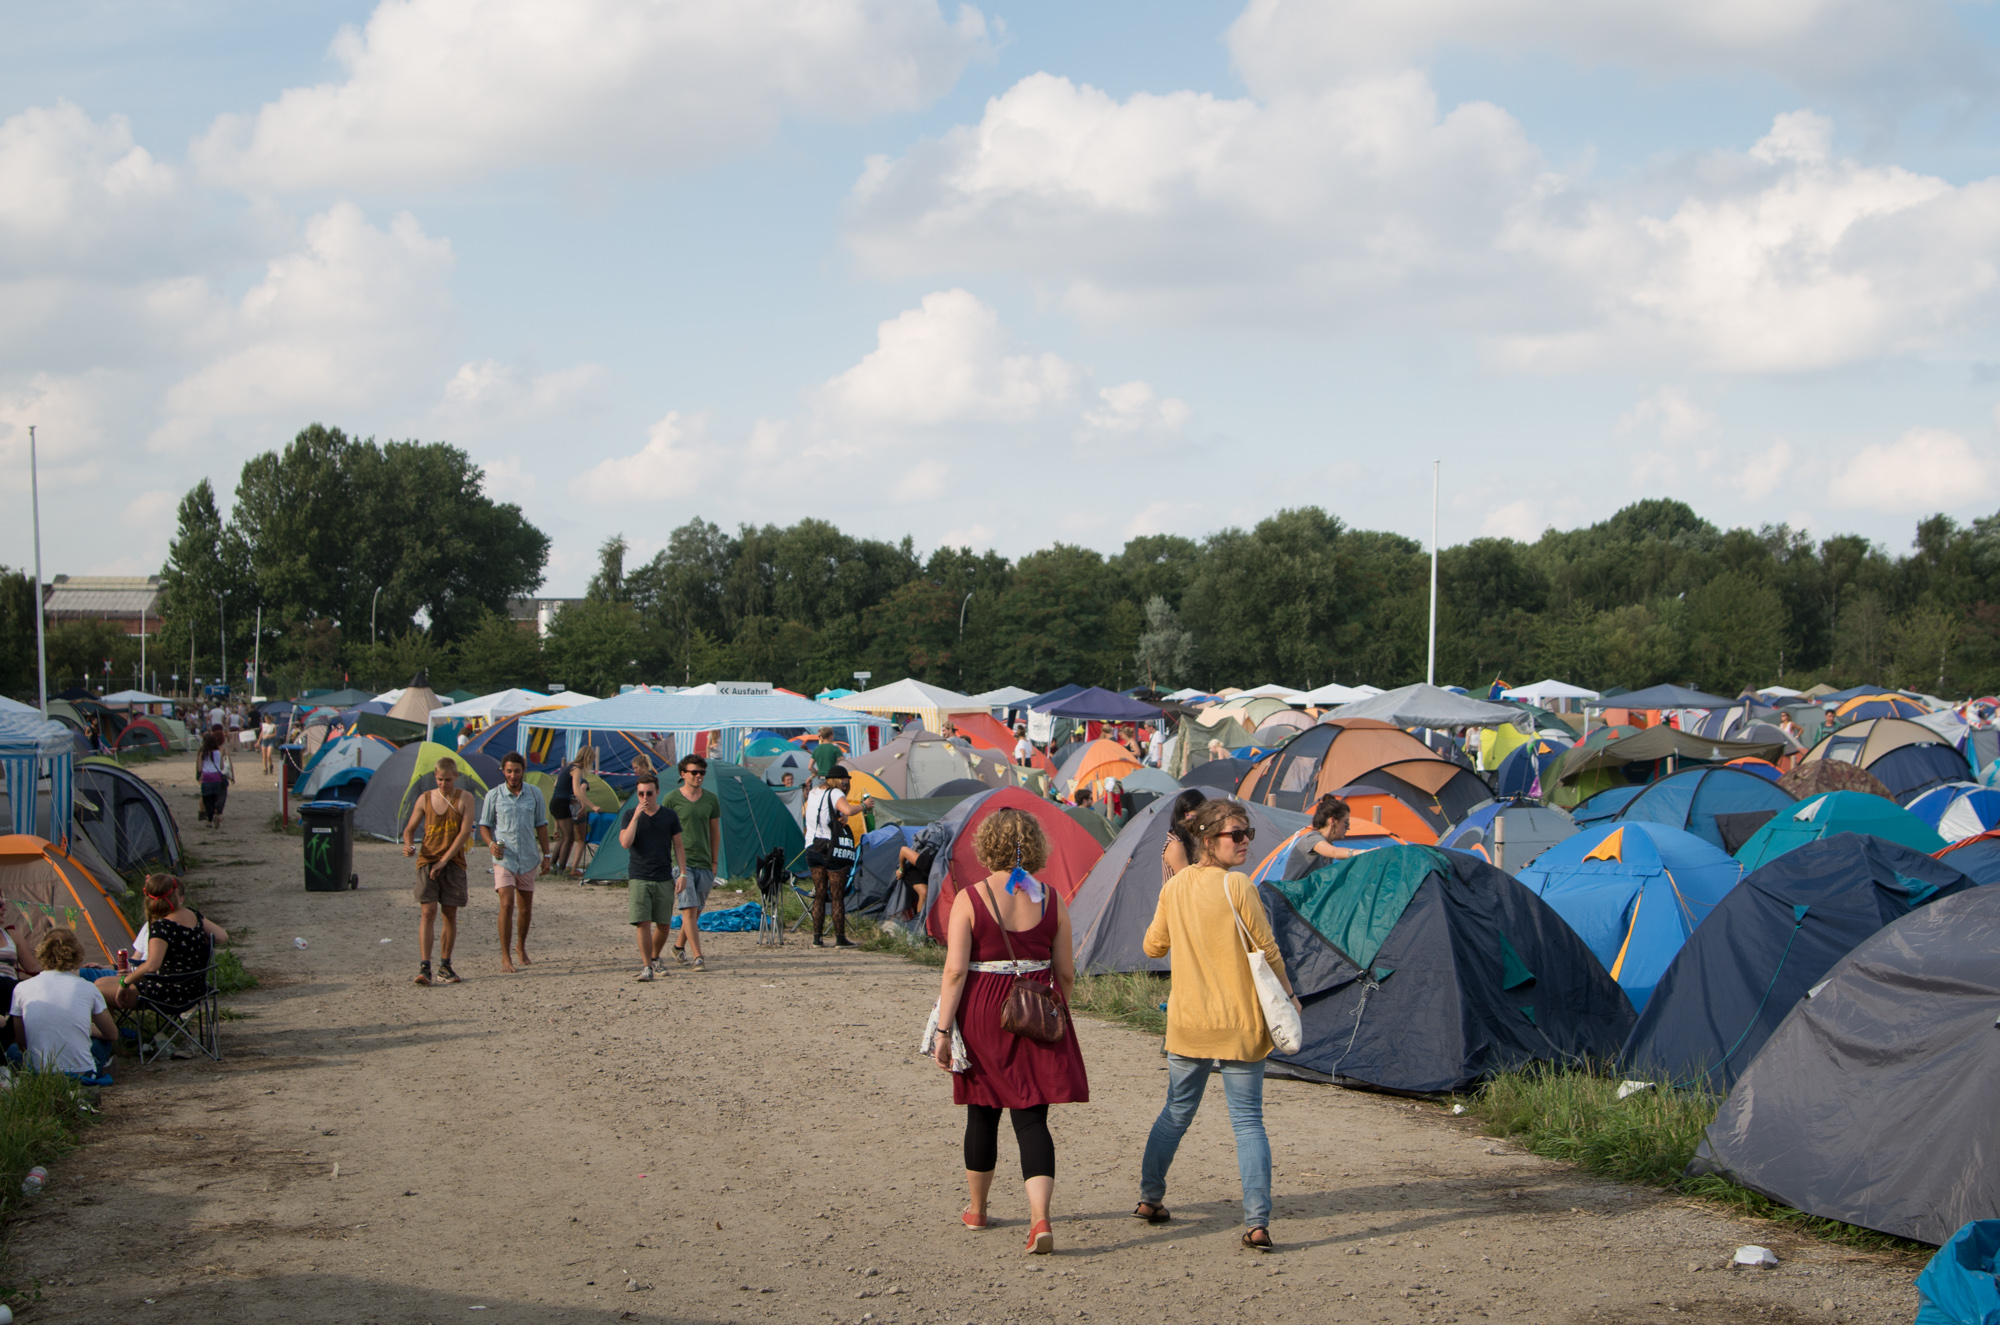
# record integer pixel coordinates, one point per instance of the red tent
(989, 733)
(1072, 850)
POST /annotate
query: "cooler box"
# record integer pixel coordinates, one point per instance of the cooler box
(329, 846)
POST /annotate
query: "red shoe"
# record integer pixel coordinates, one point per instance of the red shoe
(1040, 1240)
(971, 1220)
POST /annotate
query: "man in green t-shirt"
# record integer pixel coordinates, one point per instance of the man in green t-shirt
(825, 755)
(700, 814)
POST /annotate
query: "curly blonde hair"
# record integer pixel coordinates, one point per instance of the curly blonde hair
(58, 950)
(1007, 838)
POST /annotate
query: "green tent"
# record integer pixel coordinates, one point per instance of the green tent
(398, 731)
(1355, 902)
(1095, 824)
(458, 696)
(1834, 812)
(754, 821)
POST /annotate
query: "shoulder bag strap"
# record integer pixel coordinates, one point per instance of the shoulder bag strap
(1241, 929)
(997, 921)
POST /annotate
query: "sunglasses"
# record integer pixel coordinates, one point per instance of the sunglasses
(695, 773)
(649, 791)
(1240, 835)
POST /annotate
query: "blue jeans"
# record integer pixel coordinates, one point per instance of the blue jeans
(1243, 1086)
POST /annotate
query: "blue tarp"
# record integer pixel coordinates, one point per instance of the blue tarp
(736, 920)
(1633, 892)
(1096, 704)
(1774, 937)
(1958, 1286)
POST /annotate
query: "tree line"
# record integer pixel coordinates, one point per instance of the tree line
(331, 530)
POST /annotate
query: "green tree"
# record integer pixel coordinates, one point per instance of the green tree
(1862, 644)
(1736, 630)
(1570, 648)
(500, 654)
(17, 632)
(395, 661)
(79, 650)
(1639, 646)
(1166, 649)
(608, 585)
(594, 647)
(1922, 643)
(1051, 615)
(206, 558)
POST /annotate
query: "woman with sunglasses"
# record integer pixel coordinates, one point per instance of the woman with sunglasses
(1205, 913)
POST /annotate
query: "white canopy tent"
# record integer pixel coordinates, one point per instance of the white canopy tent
(1423, 705)
(31, 750)
(1004, 697)
(500, 704)
(1549, 690)
(730, 717)
(1270, 690)
(135, 697)
(933, 704)
(1334, 693)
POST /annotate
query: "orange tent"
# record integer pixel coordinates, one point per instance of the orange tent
(45, 884)
(1335, 753)
(989, 733)
(1099, 760)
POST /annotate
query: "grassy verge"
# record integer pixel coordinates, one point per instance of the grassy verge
(1647, 1138)
(277, 823)
(42, 1116)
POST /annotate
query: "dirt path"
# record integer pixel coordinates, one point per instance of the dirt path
(762, 1142)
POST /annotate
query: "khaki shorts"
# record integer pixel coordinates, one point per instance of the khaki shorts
(649, 901)
(447, 887)
(506, 878)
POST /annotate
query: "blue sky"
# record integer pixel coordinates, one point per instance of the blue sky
(1011, 274)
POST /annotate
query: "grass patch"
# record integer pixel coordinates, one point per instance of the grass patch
(277, 823)
(42, 1117)
(231, 1014)
(230, 977)
(1130, 997)
(873, 937)
(1647, 1139)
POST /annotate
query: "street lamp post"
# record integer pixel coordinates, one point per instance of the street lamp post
(222, 631)
(371, 615)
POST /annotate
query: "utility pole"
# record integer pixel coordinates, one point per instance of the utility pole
(257, 653)
(41, 640)
(961, 638)
(142, 646)
(1431, 666)
(221, 633)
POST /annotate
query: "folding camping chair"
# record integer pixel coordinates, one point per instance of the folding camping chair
(194, 1027)
(772, 876)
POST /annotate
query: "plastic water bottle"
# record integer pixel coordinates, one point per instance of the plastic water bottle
(37, 1178)
(299, 944)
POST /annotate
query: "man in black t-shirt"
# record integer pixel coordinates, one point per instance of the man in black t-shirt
(652, 834)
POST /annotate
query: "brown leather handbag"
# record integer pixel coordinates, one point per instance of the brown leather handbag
(1032, 1010)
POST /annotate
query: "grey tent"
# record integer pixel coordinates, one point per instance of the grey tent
(1423, 705)
(1665, 697)
(1109, 915)
(1873, 1102)
(127, 819)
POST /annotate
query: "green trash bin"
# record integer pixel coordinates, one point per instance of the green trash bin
(329, 846)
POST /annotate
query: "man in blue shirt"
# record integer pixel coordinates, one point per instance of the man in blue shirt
(514, 824)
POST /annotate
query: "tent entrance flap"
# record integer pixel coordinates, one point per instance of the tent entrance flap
(1354, 903)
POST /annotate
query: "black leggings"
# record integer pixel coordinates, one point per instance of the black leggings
(1031, 1130)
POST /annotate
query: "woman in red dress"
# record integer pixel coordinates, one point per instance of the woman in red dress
(1008, 1071)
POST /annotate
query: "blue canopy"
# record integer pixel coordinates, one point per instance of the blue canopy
(1633, 892)
(1048, 697)
(1096, 704)
(732, 717)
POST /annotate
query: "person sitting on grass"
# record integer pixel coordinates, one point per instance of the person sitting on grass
(60, 1019)
(180, 945)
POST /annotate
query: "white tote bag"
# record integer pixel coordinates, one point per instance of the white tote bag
(1280, 1017)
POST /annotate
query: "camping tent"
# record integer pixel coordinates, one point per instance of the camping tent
(1072, 851)
(1522, 771)
(51, 888)
(487, 708)
(1903, 756)
(416, 702)
(1693, 798)
(1424, 970)
(1093, 762)
(1096, 704)
(31, 750)
(918, 762)
(1769, 941)
(546, 754)
(1110, 912)
(1220, 774)
(1335, 753)
(1633, 892)
(1661, 697)
(348, 761)
(1837, 812)
(754, 824)
(1423, 705)
(1550, 689)
(1978, 858)
(909, 697)
(393, 790)
(1510, 833)
(1958, 810)
(1872, 1102)
(729, 719)
(1809, 780)
(1636, 758)
(127, 819)
(1882, 704)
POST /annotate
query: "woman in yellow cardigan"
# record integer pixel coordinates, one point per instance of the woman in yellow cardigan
(1213, 1012)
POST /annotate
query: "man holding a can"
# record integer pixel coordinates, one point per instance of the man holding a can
(514, 824)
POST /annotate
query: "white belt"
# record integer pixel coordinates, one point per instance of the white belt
(1009, 968)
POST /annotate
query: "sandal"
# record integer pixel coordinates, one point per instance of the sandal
(1151, 1213)
(1250, 1240)
(446, 976)
(971, 1220)
(1041, 1241)
(423, 974)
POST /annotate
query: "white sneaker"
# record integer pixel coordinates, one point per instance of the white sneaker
(646, 972)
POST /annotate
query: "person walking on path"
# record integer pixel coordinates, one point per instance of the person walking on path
(267, 739)
(1008, 926)
(1213, 1012)
(446, 816)
(214, 771)
(515, 827)
(830, 854)
(569, 806)
(658, 848)
(700, 813)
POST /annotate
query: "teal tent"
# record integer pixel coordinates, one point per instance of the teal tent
(754, 822)
(1834, 812)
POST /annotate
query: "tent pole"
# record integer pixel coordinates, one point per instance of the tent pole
(1431, 664)
(41, 641)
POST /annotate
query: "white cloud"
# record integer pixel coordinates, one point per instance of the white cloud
(1865, 48)
(487, 393)
(442, 90)
(1758, 476)
(1366, 207)
(355, 316)
(71, 187)
(1131, 407)
(1924, 470)
(1667, 414)
(673, 465)
(68, 419)
(949, 361)
(1520, 520)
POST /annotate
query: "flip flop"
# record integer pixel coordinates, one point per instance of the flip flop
(1160, 1214)
(1250, 1240)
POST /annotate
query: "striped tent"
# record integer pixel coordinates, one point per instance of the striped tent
(31, 750)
